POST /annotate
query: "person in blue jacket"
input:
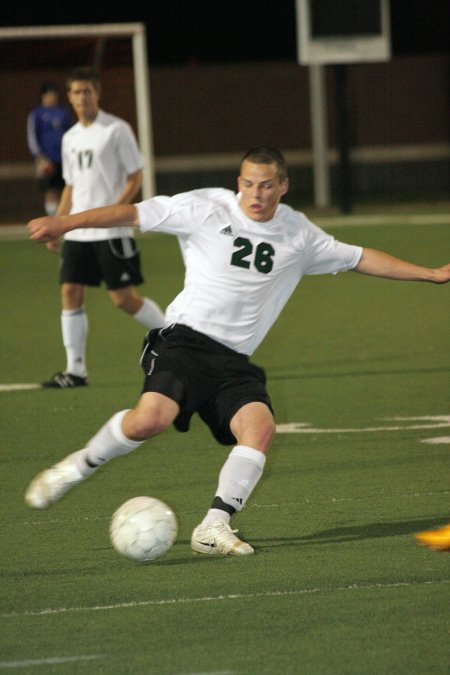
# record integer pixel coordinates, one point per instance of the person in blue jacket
(46, 125)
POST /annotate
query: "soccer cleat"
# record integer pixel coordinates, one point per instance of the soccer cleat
(51, 484)
(218, 539)
(438, 540)
(65, 381)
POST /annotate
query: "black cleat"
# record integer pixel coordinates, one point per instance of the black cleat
(65, 381)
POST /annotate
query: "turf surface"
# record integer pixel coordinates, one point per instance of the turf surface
(357, 367)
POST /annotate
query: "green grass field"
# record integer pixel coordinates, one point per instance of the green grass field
(358, 370)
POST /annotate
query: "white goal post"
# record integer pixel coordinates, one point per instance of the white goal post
(134, 31)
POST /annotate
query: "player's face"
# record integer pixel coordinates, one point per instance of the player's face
(84, 98)
(49, 99)
(261, 190)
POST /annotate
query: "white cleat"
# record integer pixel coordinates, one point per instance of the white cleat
(218, 539)
(51, 484)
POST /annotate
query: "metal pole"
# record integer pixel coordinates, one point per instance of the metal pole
(143, 108)
(319, 135)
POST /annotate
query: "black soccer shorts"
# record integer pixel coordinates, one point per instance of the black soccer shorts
(114, 261)
(202, 376)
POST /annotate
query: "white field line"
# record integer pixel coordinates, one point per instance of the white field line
(49, 661)
(221, 598)
(75, 659)
(19, 387)
(299, 428)
(426, 422)
(211, 672)
(365, 498)
(436, 441)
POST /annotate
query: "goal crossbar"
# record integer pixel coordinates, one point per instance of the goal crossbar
(137, 33)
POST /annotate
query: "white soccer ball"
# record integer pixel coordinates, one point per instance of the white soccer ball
(143, 529)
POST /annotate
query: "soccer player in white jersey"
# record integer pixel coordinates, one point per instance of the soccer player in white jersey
(244, 256)
(102, 165)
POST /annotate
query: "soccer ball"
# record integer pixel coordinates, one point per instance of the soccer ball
(143, 529)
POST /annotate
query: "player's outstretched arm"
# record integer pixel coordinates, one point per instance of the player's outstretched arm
(49, 228)
(379, 264)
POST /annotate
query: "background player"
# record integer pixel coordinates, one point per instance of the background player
(244, 256)
(101, 165)
(46, 125)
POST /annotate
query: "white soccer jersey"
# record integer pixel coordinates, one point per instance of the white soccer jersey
(239, 272)
(96, 162)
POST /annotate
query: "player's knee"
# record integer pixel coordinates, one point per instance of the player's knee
(71, 296)
(261, 435)
(267, 431)
(254, 425)
(258, 436)
(119, 300)
(142, 424)
(126, 300)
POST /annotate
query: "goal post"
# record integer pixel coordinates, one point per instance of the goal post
(137, 33)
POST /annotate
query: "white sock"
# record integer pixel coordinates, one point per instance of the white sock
(150, 315)
(237, 479)
(74, 326)
(108, 442)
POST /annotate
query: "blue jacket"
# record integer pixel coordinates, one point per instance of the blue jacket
(45, 129)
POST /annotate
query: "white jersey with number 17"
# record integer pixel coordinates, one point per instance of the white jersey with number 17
(97, 159)
(239, 272)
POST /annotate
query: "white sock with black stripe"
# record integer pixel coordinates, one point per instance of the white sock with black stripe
(108, 442)
(237, 480)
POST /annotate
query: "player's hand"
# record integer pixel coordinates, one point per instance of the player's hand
(44, 167)
(47, 228)
(442, 274)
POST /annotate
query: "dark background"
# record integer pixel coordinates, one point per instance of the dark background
(225, 31)
(225, 76)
